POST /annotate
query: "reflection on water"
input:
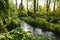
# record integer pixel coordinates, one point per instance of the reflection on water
(39, 31)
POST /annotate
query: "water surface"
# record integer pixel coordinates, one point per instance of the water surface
(38, 31)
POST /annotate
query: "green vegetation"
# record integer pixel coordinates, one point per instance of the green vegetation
(46, 17)
(19, 34)
(43, 23)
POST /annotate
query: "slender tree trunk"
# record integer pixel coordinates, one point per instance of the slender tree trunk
(21, 2)
(16, 4)
(54, 6)
(34, 14)
(37, 5)
(27, 6)
(20, 6)
(34, 8)
(47, 5)
(16, 7)
(59, 4)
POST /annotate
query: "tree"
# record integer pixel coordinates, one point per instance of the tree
(21, 5)
(27, 6)
(34, 13)
(16, 7)
(58, 3)
(21, 2)
(37, 5)
(16, 4)
(48, 5)
(54, 5)
(4, 10)
(34, 8)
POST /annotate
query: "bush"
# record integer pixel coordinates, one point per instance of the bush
(19, 34)
(13, 23)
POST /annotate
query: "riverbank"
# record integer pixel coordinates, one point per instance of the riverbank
(42, 23)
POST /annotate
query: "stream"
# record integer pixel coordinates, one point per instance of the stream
(38, 31)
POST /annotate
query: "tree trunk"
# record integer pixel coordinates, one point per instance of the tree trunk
(37, 5)
(47, 5)
(21, 2)
(27, 6)
(49, 2)
(34, 8)
(59, 4)
(16, 4)
(54, 6)
(34, 14)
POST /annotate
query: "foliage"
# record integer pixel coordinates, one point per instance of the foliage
(46, 19)
(43, 23)
(19, 34)
(12, 10)
(13, 23)
(8, 15)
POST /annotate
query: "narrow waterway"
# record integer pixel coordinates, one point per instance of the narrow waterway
(38, 31)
